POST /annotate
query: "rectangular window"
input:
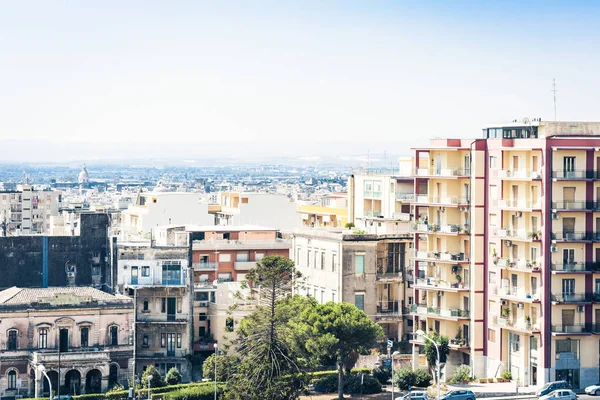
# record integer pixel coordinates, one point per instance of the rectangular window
(322, 296)
(359, 301)
(163, 340)
(171, 273)
(493, 160)
(43, 339)
(491, 335)
(333, 262)
(163, 305)
(308, 259)
(491, 306)
(492, 278)
(243, 256)
(203, 316)
(224, 257)
(514, 342)
(145, 270)
(179, 340)
(316, 256)
(84, 337)
(333, 297)
(359, 263)
(12, 340)
(323, 259)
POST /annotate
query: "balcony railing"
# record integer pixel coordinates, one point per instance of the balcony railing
(573, 267)
(516, 323)
(405, 196)
(401, 216)
(177, 317)
(442, 312)
(573, 236)
(520, 234)
(205, 265)
(518, 174)
(388, 276)
(445, 200)
(433, 282)
(389, 309)
(519, 204)
(572, 297)
(519, 293)
(573, 205)
(373, 214)
(572, 328)
(372, 194)
(576, 174)
(524, 265)
(448, 257)
(443, 172)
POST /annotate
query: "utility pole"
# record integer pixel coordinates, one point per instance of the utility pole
(554, 91)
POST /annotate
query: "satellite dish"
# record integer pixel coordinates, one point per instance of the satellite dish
(526, 121)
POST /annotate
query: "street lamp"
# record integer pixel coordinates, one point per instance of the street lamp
(394, 354)
(149, 387)
(216, 354)
(437, 350)
(42, 369)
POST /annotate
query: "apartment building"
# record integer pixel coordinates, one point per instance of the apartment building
(330, 212)
(365, 270)
(449, 240)
(158, 280)
(379, 201)
(81, 335)
(251, 208)
(27, 211)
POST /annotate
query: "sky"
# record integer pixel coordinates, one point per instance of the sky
(283, 72)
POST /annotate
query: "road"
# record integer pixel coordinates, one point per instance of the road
(587, 397)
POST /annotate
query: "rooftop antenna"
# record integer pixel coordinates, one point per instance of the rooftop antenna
(554, 91)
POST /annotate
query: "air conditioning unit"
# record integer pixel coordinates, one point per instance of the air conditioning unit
(580, 308)
(504, 302)
(507, 243)
(554, 215)
(519, 214)
(553, 249)
(520, 306)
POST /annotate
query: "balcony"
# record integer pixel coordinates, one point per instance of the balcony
(441, 229)
(181, 318)
(371, 195)
(571, 297)
(518, 204)
(458, 344)
(574, 267)
(522, 265)
(437, 284)
(389, 276)
(573, 175)
(451, 258)
(518, 234)
(443, 201)
(405, 196)
(244, 265)
(205, 266)
(388, 310)
(224, 244)
(516, 293)
(572, 329)
(443, 172)
(573, 205)
(518, 174)
(373, 214)
(401, 216)
(518, 324)
(573, 236)
(453, 313)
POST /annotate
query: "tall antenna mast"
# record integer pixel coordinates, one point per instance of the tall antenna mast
(554, 91)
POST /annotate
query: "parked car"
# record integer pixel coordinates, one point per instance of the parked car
(593, 390)
(560, 394)
(414, 395)
(552, 386)
(459, 395)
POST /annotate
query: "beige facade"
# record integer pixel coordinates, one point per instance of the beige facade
(93, 329)
(28, 211)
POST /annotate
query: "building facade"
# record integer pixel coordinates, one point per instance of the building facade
(330, 212)
(27, 211)
(249, 208)
(92, 330)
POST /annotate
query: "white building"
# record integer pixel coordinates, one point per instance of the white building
(27, 211)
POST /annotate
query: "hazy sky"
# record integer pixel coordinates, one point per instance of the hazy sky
(304, 70)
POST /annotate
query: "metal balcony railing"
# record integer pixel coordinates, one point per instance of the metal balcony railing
(519, 174)
(573, 236)
(516, 323)
(445, 200)
(576, 174)
(524, 265)
(572, 297)
(443, 172)
(571, 267)
(205, 265)
(405, 196)
(373, 214)
(572, 328)
(450, 257)
(442, 312)
(389, 309)
(433, 282)
(573, 205)
(519, 204)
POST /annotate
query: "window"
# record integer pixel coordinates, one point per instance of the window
(359, 263)
(316, 254)
(145, 341)
(163, 305)
(179, 340)
(242, 256)
(322, 296)
(85, 333)
(491, 306)
(114, 335)
(359, 301)
(179, 301)
(12, 379)
(493, 160)
(203, 316)
(514, 342)
(323, 260)
(333, 297)
(492, 277)
(163, 340)
(298, 252)
(491, 335)
(12, 340)
(568, 287)
(224, 257)
(260, 256)
(567, 346)
(333, 262)
(229, 324)
(308, 259)
(569, 165)
(43, 339)
(145, 270)
(171, 273)
(145, 305)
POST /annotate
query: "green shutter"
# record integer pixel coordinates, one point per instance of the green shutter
(360, 264)
(359, 301)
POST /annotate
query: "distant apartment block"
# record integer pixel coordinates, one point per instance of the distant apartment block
(330, 212)
(366, 270)
(27, 211)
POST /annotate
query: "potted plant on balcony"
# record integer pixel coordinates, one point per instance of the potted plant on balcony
(535, 266)
(505, 312)
(528, 322)
(495, 256)
(459, 279)
(529, 264)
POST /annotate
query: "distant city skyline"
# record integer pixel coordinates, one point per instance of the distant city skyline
(278, 72)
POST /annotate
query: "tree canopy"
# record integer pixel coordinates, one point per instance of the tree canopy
(430, 352)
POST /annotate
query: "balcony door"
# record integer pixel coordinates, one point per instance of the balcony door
(568, 288)
(568, 320)
(134, 275)
(515, 163)
(569, 197)
(171, 307)
(597, 318)
(63, 340)
(568, 258)
(568, 228)
(170, 344)
(569, 166)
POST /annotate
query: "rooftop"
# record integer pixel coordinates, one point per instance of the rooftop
(227, 228)
(57, 295)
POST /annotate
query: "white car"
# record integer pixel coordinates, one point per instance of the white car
(414, 395)
(593, 390)
(560, 394)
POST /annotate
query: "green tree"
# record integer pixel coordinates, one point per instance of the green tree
(430, 351)
(405, 377)
(337, 329)
(267, 369)
(156, 381)
(173, 377)
(225, 367)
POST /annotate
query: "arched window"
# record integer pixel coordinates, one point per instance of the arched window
(145, 305)
(13, 334)
(43, 338)
(12, 379)
(114, 335)
(145, 341)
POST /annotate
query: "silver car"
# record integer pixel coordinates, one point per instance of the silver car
(560, 394)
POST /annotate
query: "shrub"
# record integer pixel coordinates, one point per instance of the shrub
(406, 377)
(225, 367)
(382, 375)
(461, 374)
(320, 374)
(506, 375)
(370, 385)
(157, 380)
(173, 377)
(328, 384)
(205, 392)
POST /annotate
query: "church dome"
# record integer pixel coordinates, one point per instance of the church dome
(83, 176)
